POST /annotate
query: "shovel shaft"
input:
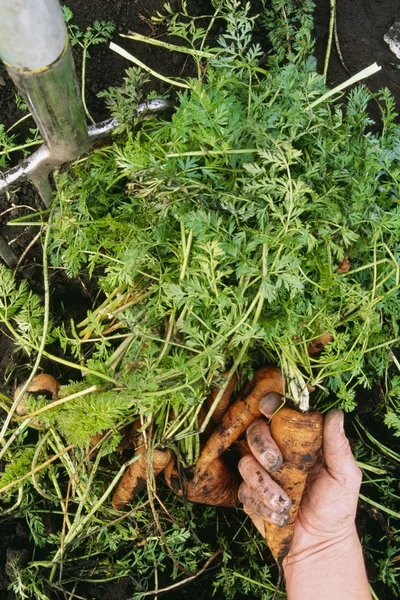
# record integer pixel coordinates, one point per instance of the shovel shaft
(33, 34)
(55, 103)
(34, 46)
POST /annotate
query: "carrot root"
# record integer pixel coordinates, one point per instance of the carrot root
(213, 482)
(216, 486)
(135, 478)
(224, 401)
(318, 345)
(240, 415)
(299, 438)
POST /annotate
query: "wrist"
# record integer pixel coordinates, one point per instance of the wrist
(335, 548)
(330, 569)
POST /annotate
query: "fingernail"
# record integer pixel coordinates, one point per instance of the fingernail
(270, 461)
(269, 403)
(281, 503)
(279, 520)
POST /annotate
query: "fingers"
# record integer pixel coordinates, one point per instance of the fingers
(259, 522)
(254, 507)
(262, 498)
(339, 459)
(270, 403)
(260, 491)
(259, 438)
(263, 446)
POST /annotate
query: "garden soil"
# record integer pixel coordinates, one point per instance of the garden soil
(361, 25)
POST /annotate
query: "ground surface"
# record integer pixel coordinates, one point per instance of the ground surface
(361, 25)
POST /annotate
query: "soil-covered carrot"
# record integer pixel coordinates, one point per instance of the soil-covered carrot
(41, 384)
(318, 345)
(221, 407)
(299, 438)
(240, 414)
(213, 482)
(135, 478)
(224, 401)
(216, 486)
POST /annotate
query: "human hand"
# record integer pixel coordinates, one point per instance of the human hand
(328, 508)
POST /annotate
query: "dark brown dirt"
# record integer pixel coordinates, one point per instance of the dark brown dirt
(361, 25)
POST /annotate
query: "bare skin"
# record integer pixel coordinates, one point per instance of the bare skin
(325, 558)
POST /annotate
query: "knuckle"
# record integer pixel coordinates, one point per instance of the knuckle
(242, 493)
(244, 464)
(357, 474)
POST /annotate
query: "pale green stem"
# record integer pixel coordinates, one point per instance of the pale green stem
(77, 518)
(137, 37)
(96, 506)
(137, 62)
(21, 120)
(46, 319)
(35, 459)
(330, 35)
(235, 365)
(381, 507)
(18, 480)
(371, 70)
(367, 467)
(11, 509)
(212, 152)
(83, 82)
(22, 147)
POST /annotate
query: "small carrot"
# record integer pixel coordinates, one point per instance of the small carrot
(299, 438)
(240, 414)
(213, 482)
(216, 486)
(221, 407)
(318, 345)
(224, 401)
(40, 384)
(135, 478)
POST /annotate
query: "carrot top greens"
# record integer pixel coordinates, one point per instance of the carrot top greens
(229, 222)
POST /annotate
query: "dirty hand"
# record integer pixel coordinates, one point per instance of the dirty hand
(329, 504)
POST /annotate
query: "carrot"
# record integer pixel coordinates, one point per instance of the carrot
(318, 345)
(213, 482)
(221, 407)
(299, 438)
(240, 415)
(135, 478)
(224, 401)
(215, 486)
(44, 384)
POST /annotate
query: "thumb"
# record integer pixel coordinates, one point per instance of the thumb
(338, 457)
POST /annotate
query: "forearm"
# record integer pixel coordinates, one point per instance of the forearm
(328, 571)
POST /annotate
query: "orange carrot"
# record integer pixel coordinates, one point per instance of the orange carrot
(219, 410)
(299, 438)
(213, 482)
(43, 384)
(135, 478)
(318, 345)
(216, 486)
(224, 401)
(240, 415)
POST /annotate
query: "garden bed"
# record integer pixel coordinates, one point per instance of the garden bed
(225, 536)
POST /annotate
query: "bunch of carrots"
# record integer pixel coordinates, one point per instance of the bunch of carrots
(296, 431)
(298, 434)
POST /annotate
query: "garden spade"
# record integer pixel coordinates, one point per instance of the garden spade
(34, 47)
